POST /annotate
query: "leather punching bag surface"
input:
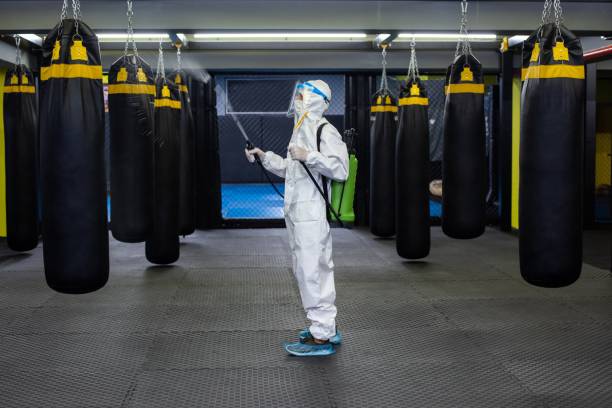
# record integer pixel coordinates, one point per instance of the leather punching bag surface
(551, 151)
(412, 173)
(163, 246)
(74, 220)
(130, 101)
(21, 133)
(186, 159)
(464, 167)
(382, 165)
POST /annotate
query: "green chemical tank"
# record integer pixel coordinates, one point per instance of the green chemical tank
(343, 193)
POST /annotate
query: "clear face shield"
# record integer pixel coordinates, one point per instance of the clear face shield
(292, 111)
(302, 93)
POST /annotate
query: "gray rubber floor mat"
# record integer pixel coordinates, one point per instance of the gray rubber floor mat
(457, 329)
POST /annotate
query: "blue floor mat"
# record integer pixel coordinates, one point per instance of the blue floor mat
(435, 209)
(251, 201)
(260, 201)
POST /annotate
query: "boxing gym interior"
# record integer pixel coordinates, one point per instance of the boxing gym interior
(275, 203)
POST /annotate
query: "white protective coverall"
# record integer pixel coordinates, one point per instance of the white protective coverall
(305, 211)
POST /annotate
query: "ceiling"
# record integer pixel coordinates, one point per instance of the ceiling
(588, 18)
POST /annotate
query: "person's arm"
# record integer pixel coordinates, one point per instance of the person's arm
(332, 160)
(274, 163)
(271, 161)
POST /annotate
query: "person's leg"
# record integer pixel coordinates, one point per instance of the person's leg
(323, 314)
(314, 273)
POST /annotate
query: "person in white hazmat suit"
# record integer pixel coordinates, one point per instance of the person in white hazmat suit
(305, 212)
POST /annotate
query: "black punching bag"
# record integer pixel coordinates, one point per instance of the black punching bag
(382, 164)
(186, 159)
(163, 247)
(73, 180)
(130, 103)
(20, 135)
(412, 173)
(464, 167)
(551, 151)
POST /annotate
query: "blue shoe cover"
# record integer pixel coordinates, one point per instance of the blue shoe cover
(335, 340)
(310, 349)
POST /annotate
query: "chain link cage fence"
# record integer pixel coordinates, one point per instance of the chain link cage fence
(260, 104)
(435, 92)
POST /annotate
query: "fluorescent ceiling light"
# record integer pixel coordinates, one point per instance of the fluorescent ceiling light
(516, 39)
(33, 38)
(273, 37)
(442, 37)
(139, 37)
(382, 37)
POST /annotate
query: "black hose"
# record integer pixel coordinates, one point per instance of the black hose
(250, 146)
(327, 204)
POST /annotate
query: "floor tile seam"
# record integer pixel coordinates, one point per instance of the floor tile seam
(271, 302)
(323, 364)
(114, 333)
(292, 330)
(241, 267)
(233, 284)
(371, 249)
(420, 293)
(329, 393)
(64, 302)
(409, 279)
(291, 366)
(470, 298)
(80, 305)
(514, 276)
(105, 334)
(63, 370)
(499, 360)
(236, 288)
(438, 298)
(567, 304)
(134, 382)
(490, 356)
(525, 384)
(245, 288)
(127, 397)
(354, 327)
(506, 357)
(226, 305)
(191, 269)
(579, 297)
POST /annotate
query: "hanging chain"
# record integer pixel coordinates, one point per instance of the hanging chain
(547, 12)
(178, 57)
(161, 71)
(76, 15)
(463, 42)
(558, 11)
(413, 67)
(383, 80)
(63, 15)
(18, 44)
(552, 14)
(130, 31)
(64, 12)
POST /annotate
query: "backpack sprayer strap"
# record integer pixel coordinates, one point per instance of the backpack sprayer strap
(322, 191)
